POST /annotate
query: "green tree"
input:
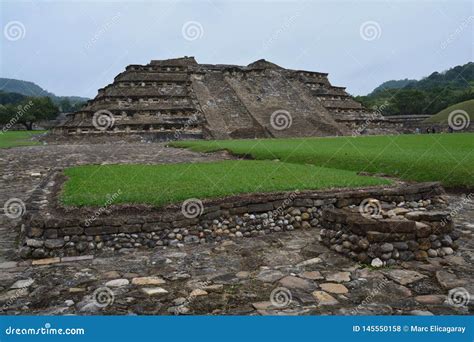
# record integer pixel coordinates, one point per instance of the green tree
(28, 112)
(65, 105)
(409, 101)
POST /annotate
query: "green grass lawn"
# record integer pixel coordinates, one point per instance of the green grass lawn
(163, 184)
(447, 158)
(442, 117)
(280, 165)
(18, 138)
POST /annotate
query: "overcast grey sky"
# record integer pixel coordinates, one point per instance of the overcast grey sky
(76, 47)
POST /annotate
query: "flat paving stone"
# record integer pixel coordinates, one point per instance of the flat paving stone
(153, 291)
(296, 283)
(324, 298)
(404, 277)
(334, 288)
(117, 282)
(339, 277)
(148, 281)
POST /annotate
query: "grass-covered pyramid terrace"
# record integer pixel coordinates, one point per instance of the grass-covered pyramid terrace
(279, 165)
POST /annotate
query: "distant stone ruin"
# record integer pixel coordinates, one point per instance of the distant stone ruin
(179, 99)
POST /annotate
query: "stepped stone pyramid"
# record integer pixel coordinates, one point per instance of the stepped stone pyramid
(181, 99)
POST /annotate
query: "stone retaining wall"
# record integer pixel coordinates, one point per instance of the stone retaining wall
(379, 236)
(50, 229)
(393, 125)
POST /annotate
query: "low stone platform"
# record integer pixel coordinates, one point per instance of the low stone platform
(50, 229)
(384, 237)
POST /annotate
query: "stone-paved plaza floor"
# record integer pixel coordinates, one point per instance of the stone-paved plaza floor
(288, 273)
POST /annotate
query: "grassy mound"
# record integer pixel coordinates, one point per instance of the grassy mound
(18, 138)
(448, 158)
(442, 117)
(170, 183)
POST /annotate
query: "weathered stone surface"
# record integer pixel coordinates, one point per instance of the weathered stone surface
(154, 291)
(198, 292)
(46, 261)
(421, 313)
(386, 247)
(449, 280)
(148, 281)
(324, 298)
(245, 275)
(54, 243)
(312, 275)
(447, 250)
(431, 299)
(421, 255)
(257, 208)
(117, 282)
(309, 262)
(8, 264)
(334, 288)
(34, 231)
(213, 288)
(376, 263)
(77, 258)
(296, 283)
(339, 277)
(422, 230)
(404, 277)
(263, 305)
(399, 211)
(34, 243)
(429, 216)
(111, 275)
(401, 246)
(269, 276)
(13, 295)
(19, 284)
(101, 230)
